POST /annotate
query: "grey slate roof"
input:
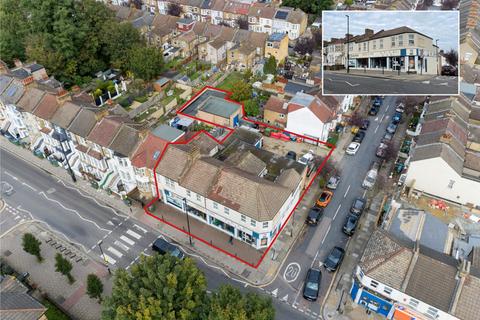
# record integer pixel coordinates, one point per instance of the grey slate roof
(30, 99)
(83, 123)
(13, 93)
(4, 82)
(15, 303)
(125, 141)
(65, 114)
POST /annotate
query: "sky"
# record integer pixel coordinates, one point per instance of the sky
(442, 25)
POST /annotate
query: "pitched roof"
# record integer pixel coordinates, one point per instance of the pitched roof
(125, 141)
(237, 7)
(30, 99)
(148, 152)
(218, 5)
(4, 82)
(395, 31)
(65, 114)
(47, 107)
(439, 150)
(262, 10)
(83, 123)
(13, 92)
(16, 303)
(275, 104)
(105, 131)
(467, 305)
(312, 103)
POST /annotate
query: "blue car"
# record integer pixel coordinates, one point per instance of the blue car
(397, 117)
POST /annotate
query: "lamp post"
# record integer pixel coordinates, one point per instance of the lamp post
(348, 43)
(188, 221)
(62, 137)
(436, 49)
(103, 256)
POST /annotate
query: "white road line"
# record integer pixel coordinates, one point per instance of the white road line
(121, 245)
(133, 234)
(115, 252)
(127, 240)
(22, 220)
(17, 217)
(19, 208)
(346, 192)
(29, 186)
(109, 259)
(314, 258)
(377, 128)
(3, 222)
(74, 211)
(140, 228)
(387, 108)
(381, 119)
(11, 175)
(326, 233)
(336, 212)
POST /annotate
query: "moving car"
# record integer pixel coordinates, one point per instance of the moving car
(292, 155)
(381, 150)
(358, 206)
(365, 125)
(392, 127)
(333, 182)
(352, 148)
(359, 136)
(312, 284)
(314, 215)
(163, 247)
(334, 259)
(325, 198)
(449, 71)
(350, 224)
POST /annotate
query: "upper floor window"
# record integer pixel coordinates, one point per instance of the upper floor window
(189, 193)
(413, 302)
(393, 41)
(169, 182)
(243, 218)
(364, 46)
(387, 290)
(411, 39)
(199, 197)
(359, 47)
(432, 312)
(215, 205)
(226, 210)
(400, 40)
(350, 47)
(374, 283)
(374, 44)
(451, 183)
(253, 223)
(381, 43)
(265, 225)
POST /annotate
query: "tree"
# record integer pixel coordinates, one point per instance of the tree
(348, 3)
(242, 23)
(317, 38)
(449, 4)
(158, 287)
(229, 304)
(390, 152)
(270, 66)
(117, 44)
(32, 245)
(251, 108)
(247, 75)
(241, 92)
(174, 9)
(94, 287)
(304, 46)
(13, 30)
(452, 57)
(356, 119)
(145, 62)
(64, 266)
(411, 103)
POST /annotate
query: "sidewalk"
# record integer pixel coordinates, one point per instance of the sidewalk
(385, 75)
(43, 277)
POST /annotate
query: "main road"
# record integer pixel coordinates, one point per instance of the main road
(83, 221)
(312, 247)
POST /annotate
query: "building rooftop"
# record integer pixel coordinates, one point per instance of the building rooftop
(276, 37)
(167, 133)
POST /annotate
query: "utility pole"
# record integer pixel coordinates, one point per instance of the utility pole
(188, 221)
(348, 43)
(103, 256)
(436, 48)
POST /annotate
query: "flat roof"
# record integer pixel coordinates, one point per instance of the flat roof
(167, 133)
(212, 101)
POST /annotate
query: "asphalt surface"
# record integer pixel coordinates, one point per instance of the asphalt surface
(335, 83)
(81, 220)
(315, 244)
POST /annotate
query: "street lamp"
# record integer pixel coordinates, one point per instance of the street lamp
(436, 48)
(348, 43)
(103, 256)
(62, 137)
(188, 221)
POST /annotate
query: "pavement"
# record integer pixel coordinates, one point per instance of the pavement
(339, 82)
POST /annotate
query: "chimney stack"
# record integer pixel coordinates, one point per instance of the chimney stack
(369, 32)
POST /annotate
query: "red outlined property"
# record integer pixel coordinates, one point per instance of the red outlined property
(230, 131)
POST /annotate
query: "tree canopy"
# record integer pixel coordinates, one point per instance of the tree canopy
(72, 39)
(311, 7)
(270, 66)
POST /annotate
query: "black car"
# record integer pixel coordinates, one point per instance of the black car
(365, 125)
(449, 71)
(350, 225)
(292, 155)
(163, 247)
(314, 215)
(359, 136)
(357, 206)
(312, 284)
(374, 110)
(334, 259)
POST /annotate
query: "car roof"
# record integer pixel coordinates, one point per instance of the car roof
(314, 274)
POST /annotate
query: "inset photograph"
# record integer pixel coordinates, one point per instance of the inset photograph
(390, 52)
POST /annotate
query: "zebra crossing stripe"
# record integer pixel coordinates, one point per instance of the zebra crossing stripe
(133, 234)
(121, 245)
(115, 252)
(109, 259)
(127, 240)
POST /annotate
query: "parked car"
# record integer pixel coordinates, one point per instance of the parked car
(163, 247)
(373, 110)
(333, 182)
(350, 224)
(352, 148)
(400, 108)
(314, 215)
(334, 259)
(371, 176)
(312, 284)
(358, 206)
(307, 158)
(449, 71)
(325, 198)
(377, 101)
(292, 155)
(365, 124)
(397, 117)
(387, 137)
(381, 150)
(359, 136)
(392, 127)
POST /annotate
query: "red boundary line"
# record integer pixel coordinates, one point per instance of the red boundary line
(228, 94)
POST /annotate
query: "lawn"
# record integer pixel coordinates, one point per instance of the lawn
(230, 81)
(53, 313)
(176, 93)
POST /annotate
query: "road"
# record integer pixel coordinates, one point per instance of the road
(335, 83)
(313, 246)
(82, 220)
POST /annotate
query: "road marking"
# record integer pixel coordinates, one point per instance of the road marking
(19, 208)
(346, 192)
(284, 298)
(133, 234)
(110, 223)
(377, 128)
(127, 240)
(3, 222)
(352, 85)
(386, 109)
(336, 212)
(291, 272)
(140, 228)
(364, 193)
(121, 245)
(246, 285)
(29, 186)
(115, 252)
(426, 82)
(17, 217)
(11, 175)
(325, 236)
(109, 259)
(314, 258)
(22, 220)
(275, 292)
(381, 119)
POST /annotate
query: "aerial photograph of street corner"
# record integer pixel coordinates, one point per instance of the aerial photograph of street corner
(390, 52)
(239, 159)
